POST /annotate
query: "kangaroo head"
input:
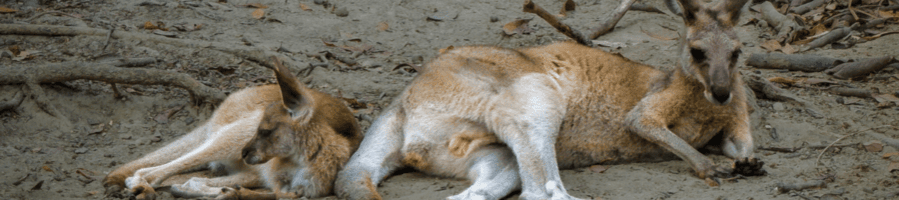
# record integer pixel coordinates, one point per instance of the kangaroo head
(282, 122)
(710, 47)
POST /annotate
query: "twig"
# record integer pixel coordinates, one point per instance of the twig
(849, 92)
(833, 36)
(530, 7)
(784, 187)
(253, 54)
(801, 62)
(804, 8)
(780, 149)
(67, 71)
(608, 25)
(51, 12)
(817, 160)
(13, 102)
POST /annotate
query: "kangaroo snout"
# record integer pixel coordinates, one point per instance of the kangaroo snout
(721, 95)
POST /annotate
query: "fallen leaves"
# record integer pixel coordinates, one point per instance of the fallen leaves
(443, 50)
(258, 13)
(304, 7)
(383, 26)
(568, 7)
(519, 26)
(20, 55)
(656, 36)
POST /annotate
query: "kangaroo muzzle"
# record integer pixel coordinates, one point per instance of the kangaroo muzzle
(720, 86)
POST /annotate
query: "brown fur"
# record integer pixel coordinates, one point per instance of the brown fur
(318, 139)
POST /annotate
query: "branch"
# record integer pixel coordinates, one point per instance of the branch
(530, 7)
(13, 102)
(67, 71)
(616, 15)
(253, 54)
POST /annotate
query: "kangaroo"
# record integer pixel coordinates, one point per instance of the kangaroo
(509, 119)
(294, 142)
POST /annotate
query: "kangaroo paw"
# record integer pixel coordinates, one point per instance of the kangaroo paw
(749, 167)
(143, 191)
(714, 171)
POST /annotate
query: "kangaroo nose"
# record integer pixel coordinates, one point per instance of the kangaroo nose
(721, 96)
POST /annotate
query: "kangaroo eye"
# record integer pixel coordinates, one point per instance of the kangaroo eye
(698, 55)
(265, 133)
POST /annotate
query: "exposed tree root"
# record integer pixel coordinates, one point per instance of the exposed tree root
(32, 76)
(12, 102)
(254, 54)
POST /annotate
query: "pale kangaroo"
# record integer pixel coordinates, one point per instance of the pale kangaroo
(509, 119)
(285, 137)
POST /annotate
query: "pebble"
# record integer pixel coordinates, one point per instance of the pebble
(779, 106)
(81, 150)
(494, 19)
(342, 12)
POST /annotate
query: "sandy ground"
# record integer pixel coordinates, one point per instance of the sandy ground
(99, 132)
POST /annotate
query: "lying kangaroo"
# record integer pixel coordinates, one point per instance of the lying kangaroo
(510, 118)
(294, 142)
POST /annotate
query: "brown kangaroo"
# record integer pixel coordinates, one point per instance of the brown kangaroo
(508, 119)
(294, 142)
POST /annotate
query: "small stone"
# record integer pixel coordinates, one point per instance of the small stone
(779, 106)
(494, 19)
(873, 146)
(342, 12)
(81, 150)
(320, 2)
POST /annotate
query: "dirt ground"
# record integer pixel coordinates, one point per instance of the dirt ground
(47, 157)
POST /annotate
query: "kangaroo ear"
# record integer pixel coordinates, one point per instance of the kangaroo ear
(731, 9)
(690, 8)
(293, 93)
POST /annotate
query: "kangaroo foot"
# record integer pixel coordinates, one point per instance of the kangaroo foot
(749, 167)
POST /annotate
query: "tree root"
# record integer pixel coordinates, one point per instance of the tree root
(67, 71)
(253, 54)
(807, 63)
(859, 68)
(530, 7)
(786, 26)
(784, 187)
(13, 102)
(609, 24)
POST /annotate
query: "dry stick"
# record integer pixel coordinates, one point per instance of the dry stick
(253, 54)
(645, 8)
(783, 187)
(67, 71)
(530, 7)
(801, 62)
(616, 15)
(860, 68)
(849, 92)
(786, 26)
(12, 103)
(804, 8)
(828, 38)
(844, 137)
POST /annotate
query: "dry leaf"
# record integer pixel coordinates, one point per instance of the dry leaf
(443, 50)
(47, 168)
(893, 166)
(258, 13)
(569, 6)
(598, 168)
(383, 26)
(517, 26)
(25, 55)
(711, 182)
(880, 35)
(782, 80)
(884, 13)
(885, 98)
(150, 26)
(330, 44)
(788, 49)
(771, 45)
(256, 5)
(890, 154)
(656, 36)
(831, 6)
(6, 10)
(815, 81)
(873, 146)
(15, 49)
(817, 29)
(305, 7)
